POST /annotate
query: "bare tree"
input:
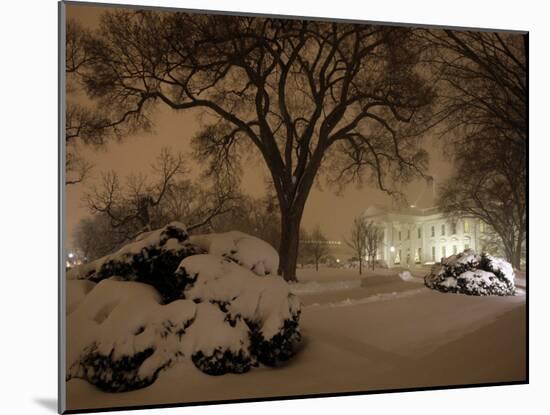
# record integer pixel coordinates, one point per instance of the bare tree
(483, 96)
(94, 237)
(255, 216)
(290, 89)
(304, 248)
(317, 246)
(358, 239)
(483, 193)
(85, 124)
(374, 236)
(133, 202)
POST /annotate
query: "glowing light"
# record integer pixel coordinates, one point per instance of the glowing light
(337, 260)
(71, 255)
(392, 248)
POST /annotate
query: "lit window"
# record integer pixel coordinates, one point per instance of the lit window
(398, 257)
(466, 226)
(481, 226)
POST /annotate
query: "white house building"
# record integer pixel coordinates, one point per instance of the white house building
(416, 236)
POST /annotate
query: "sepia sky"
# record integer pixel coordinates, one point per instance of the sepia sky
(174, 129)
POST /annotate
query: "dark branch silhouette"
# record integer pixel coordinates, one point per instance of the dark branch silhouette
(298, 92)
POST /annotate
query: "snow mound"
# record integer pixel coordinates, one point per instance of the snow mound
(472, 274)
(246, 250)
(406, 276)
(152, 258)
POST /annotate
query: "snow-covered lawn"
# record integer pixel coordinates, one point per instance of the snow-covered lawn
(377, 331)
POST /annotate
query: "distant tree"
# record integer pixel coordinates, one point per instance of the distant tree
(256, 216)
(318, 247)
(483, 193)
(483, 101)
(358, 239)
(304, 248)
(94, 237)
(293, 91)
(373, 239)
(146, 202)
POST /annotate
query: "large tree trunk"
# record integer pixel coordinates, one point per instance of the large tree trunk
(290, 237)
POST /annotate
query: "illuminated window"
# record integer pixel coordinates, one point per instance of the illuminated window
(398, 258)
(466, 226)
(443, 230)
(418, 258)
(481, 226)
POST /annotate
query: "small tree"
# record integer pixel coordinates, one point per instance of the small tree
(374, 234)
(304, 248)
(317, 246)
(144, 202)
(358, 239)
(94, 237)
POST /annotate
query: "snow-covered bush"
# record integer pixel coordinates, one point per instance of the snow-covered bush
(406, 275)
(265, 303)
(246, 250)
(152, 258)
(222, 316)
(472, 274)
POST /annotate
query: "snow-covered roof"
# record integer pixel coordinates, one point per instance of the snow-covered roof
(376, 210)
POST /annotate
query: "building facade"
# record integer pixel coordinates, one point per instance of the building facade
(416, 236)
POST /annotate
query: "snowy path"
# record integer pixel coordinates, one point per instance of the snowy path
(356, 339)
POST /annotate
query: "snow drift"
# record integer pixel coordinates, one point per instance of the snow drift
(472, 274)
(135, 313)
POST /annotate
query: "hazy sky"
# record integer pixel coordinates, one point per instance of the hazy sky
(174, 129)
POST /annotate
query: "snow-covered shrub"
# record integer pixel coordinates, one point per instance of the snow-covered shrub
(265, 303)
(246, 250)
(224, 319)
(152, 259)
(121, 336)
(406, 275)
(472, 274)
